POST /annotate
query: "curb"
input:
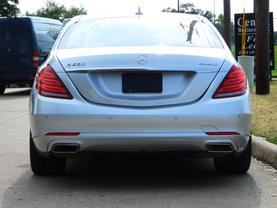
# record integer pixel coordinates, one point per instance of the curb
(264, 151)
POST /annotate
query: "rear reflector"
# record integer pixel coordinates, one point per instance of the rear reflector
(227, 133)
(48, 84)
(233, 85)
(63, 134)
(35, 59)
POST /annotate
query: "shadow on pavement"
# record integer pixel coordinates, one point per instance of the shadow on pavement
(134, 182)
(17, 92)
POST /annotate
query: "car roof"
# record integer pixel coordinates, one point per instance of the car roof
(155, 16)
(44, 19)
(35, 19)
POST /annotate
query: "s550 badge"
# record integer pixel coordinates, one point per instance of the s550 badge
(77, 64)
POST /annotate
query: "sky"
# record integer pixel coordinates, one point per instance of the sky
(125, 7)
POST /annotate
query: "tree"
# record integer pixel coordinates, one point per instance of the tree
(189, 8)
(8, 8)
(56, 11)
(219, 24)
(220, 19)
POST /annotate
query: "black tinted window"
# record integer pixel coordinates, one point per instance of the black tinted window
(140, 32)
(15, 36)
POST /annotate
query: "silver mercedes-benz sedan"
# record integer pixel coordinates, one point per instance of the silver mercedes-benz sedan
(165, 83)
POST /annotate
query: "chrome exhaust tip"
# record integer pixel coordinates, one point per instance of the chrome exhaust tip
(65, 148)
(220, 148)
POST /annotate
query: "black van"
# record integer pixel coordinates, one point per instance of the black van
(25, 43)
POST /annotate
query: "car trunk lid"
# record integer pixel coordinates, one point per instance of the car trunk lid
(125, 76)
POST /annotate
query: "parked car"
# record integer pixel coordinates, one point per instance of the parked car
(149, 83)
(24, 44)
(65, 21)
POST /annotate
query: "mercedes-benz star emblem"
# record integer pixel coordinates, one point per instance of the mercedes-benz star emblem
(142, 59)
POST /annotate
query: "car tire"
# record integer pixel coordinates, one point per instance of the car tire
(2, 89)
(239, 164)
(45, 166)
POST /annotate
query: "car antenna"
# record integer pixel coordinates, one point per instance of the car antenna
(139, 12)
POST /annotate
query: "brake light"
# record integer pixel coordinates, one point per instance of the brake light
(222, 133)
(233, 85)
(63, 134)
(48, 84)
(35, 59)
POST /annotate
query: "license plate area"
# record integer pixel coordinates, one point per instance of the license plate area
(142, 82)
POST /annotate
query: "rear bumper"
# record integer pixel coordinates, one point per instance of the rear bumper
(110, 128)
(184, 142)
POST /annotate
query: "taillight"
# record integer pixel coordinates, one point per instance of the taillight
(222, 133)
(233, 85)
(35, 59)
(48, 84)
(63, 134)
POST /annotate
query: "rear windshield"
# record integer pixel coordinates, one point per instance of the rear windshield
(44, 41)
(15, 36)
(51, 27)
(118, 32)
(46, 26)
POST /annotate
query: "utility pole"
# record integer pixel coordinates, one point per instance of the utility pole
(178, 6)
(262, 47)
(227, 21)
(254, 6)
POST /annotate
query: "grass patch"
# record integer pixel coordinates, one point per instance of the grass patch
(265, 114)
(274, 73)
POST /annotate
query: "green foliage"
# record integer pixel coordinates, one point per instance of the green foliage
(189, 8)
(220, 19)
(219, 24)
(56, 11)
(274, 73)
(8, 8)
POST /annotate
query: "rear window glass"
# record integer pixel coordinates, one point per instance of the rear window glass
(49, 27)
(45, 26)
(118, 32)
(44, 41)
(15, 36)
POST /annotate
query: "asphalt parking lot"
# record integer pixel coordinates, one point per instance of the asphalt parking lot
(119, 182)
